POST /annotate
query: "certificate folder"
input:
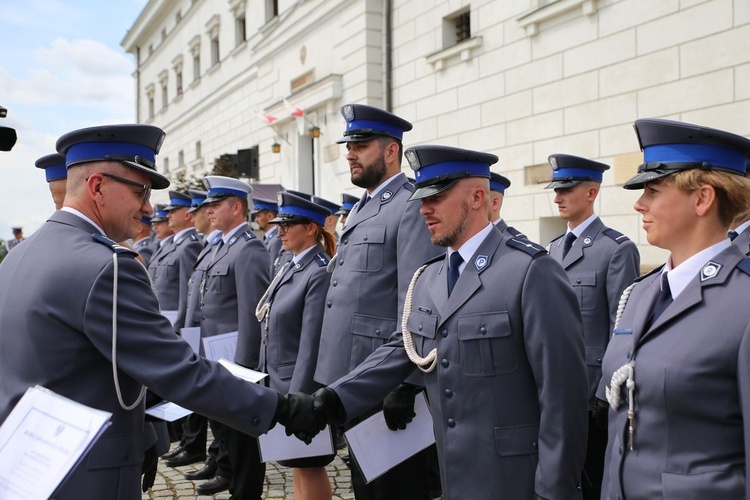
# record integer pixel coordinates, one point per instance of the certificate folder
(43, 439)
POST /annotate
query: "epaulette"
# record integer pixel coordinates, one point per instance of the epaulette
(653, 271)
(744, 265)
(615, 235)
(248, 235)
(194, 237)
(409, 186)
(322, 260)
(515, 232)
(527, 246)
(113, 245)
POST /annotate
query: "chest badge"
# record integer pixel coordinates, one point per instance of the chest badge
(709, 271)
(481, 262)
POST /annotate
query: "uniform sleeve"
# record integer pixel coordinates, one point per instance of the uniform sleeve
(312, 323)
(148, 351)
(743, 382)
(624, 268)
(553, 336)
(252, 279)
(187, 261)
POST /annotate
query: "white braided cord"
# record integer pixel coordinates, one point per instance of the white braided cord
(264, 305)
(430, 360)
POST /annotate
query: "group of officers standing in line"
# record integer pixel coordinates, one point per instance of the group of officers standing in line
(527, 357)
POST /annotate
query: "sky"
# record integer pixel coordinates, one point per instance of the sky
(61, 68)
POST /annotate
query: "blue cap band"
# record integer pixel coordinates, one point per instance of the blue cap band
(497, 186)
(577, 173)
(259, 205)
(470, 168)
(194, 202)
(302, 212)
(218, 191)
(92, 151)
(180, 202)
(347, 206)
(719, 156)
(161, 213)
(376, 126)
(56, 172)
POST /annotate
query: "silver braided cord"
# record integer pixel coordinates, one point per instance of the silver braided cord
(114, 345)
(264, 305)
(431, 359)
(625, 373)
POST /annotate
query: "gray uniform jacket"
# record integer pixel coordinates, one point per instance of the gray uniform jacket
(692, 389)
(171, 270)
(12, 243)
(508, 231)
(381, 246)
(601, 264)
(56, 331)
(742, 241)
(508, 394)
(145, 248)
(235, 280)
(291, 331)
(273, 246)
(193, 308)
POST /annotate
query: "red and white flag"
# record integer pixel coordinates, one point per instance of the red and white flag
(293, 110)
(267, 118)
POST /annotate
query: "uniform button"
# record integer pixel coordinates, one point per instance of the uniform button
(346, 240)
(328, 303)
(620, 450)
(444, 333)
(598, 360)
(334, 282)
(578, 281)
(451, 423)
(420, 327)
(256, 421)
(534, 445)
(483, 329)
(365, 238)
(377, 331)
(445, 363)
(448, 393)
(341, 262)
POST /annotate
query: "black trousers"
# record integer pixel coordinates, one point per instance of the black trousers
(194, 433)
(593, 466)
(247, 471)
(218, 451)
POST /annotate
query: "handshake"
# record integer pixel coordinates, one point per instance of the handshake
(305, 416)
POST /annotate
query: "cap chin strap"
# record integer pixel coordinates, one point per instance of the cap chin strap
(114, 344)
(426, 364)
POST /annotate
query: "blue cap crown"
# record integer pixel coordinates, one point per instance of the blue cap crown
(569, 170)
(436, 168)
(292, 207)
(220, 187)
(54, 167)
(263, 204)
(367, 122)
(499, 182)
(347, 203)
(333, 207)
(178, 200)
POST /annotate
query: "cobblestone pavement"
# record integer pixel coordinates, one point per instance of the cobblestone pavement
(171, 484)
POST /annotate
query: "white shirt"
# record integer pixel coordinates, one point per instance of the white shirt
(742, 227)
(681, 276)
(226, 236)
(469, 248)
(382, 185)
(80, 214)
(298, 257)
(580, 228)
(181, 233)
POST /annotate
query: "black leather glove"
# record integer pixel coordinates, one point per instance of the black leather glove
(328, 405)
(398, 406)
(295, 412)
(149, 467)
(599, 414)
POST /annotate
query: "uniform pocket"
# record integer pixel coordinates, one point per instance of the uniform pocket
(367, 248)
(584, 284)
(486, 344)
(368, 333)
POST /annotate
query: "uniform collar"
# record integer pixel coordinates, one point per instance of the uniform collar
(739, 229)
(469, 248)
(580, 228)
(298, 257)
(682, 275)
(381, 186)
(226, 237)
(182, 233)
(78, 213)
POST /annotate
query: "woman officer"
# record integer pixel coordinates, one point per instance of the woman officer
(291, 315)
(676, 373)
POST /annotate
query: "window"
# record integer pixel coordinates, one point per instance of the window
(463, 27)
(178, 78)
(177, 66)
(456, 28)
(150, 99)
(215, 51)
(272, 9)
(240, 33)
(164, 94)
(212, 30)
(178, 17)
(181, 159)
(163, 34)
(196, 66)
(166, 165)
(198, 150)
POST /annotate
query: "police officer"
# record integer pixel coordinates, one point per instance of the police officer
(291, 316)
(142, 241)
(600, 263)
(163, 233)
(263, 212)
(383, 243)
(676, 370)
(739, 231)
(56, 175)
(236, 275)
(200, 220)
(77, 342)
(503, 365)
(347, 203)
(17, 237)
(498, 185)
(333, 219)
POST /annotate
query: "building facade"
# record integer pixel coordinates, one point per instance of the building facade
(518, 78)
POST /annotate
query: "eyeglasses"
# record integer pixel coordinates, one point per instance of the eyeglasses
(146, 189)
(284, 226)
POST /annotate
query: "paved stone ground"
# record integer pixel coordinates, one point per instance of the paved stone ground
(171, 484)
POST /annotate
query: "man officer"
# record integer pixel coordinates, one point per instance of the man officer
(56, 175)
(77, 346)
(333, 219)
(600, 263)
(237, 274)
(498, 185)
(264, 211)
(383, 243)
(162, 231)
(143, 242)
(502, 365)
(17, 237)
(347, 203)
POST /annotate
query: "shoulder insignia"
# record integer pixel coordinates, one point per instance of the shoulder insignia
(409, 186)
(194, 237)
(322, 260)
(744, 265)
(617, 236)
(653, 271)
(113, 245)
(515, 232)
(527, 246)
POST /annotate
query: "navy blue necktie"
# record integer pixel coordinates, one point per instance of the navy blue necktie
(662, 301)
(453, 264)
(569, 239)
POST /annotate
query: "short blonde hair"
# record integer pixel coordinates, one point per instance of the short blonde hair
(732, 190)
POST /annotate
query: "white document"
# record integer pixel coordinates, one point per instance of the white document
(242, 372)
(42, 440)
(221, 346)
(167, 411)
(275, 445)
(170, 315)
(192, 335)
(378, 449)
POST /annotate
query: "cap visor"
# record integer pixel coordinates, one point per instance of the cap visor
(643, 178)
(562, 184)
(358, 138)
(288, 218)
(158, 181)
(431, 190)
